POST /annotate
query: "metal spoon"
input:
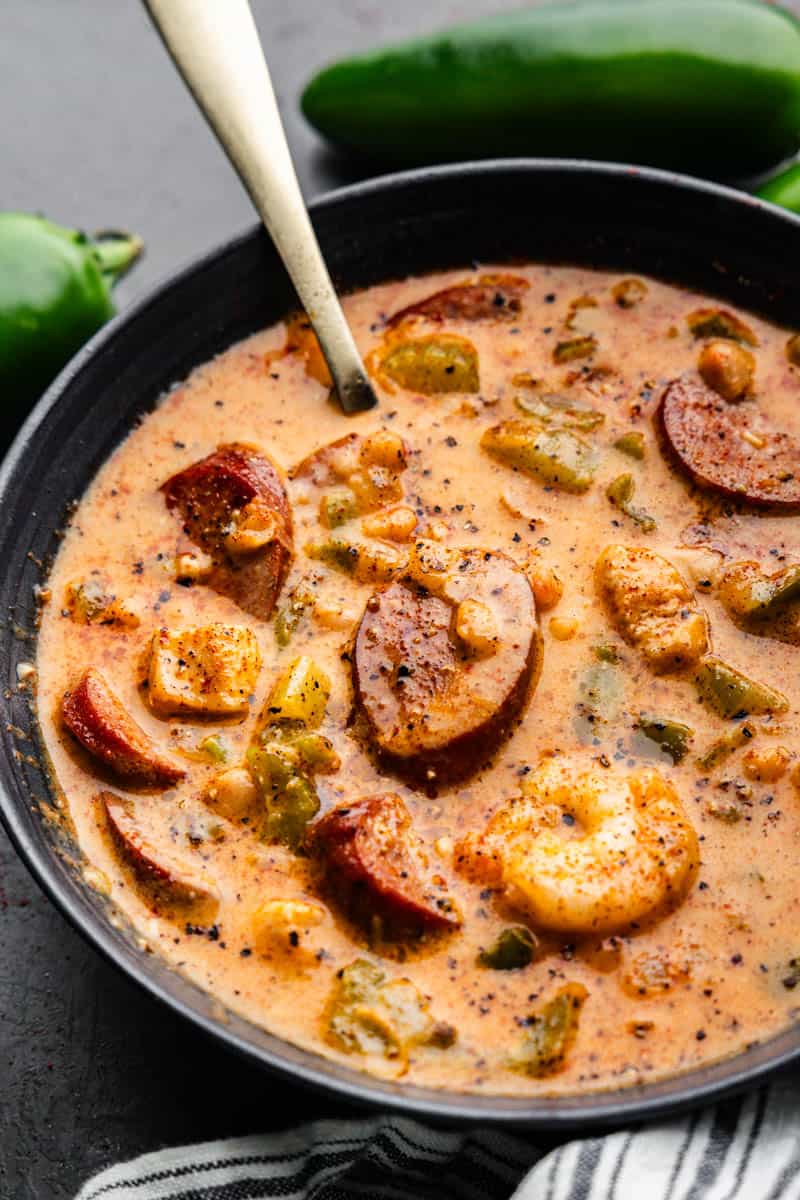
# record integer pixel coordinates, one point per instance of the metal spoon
(215, 46)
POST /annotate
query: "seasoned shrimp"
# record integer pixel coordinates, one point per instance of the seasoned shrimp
(587, 851)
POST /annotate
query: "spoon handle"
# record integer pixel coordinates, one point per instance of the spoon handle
(216, 48)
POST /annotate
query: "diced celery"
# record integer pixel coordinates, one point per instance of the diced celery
(215, 748)
(554, 456)
(577, 347)
(372, 1015)
(565, 412)
(723, 747)
(338, 507)
(289, 615)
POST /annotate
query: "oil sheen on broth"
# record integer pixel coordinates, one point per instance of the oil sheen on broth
(456, 741)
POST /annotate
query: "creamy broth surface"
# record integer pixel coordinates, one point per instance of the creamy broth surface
(697, 980)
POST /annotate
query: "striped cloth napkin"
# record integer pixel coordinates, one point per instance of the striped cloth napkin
(745, 1149)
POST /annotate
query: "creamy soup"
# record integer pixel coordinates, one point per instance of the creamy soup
(456, 741)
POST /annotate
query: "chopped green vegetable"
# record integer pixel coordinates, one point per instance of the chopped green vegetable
(723, 747)
(731, 694)
(670, 736)
(631, 444)
(300, 694)
(335, 552)
(369, 561)
(748, 592)
(286, 754)
(620, 492)
(765, 605)
(513, 948)
(289, 616)
(338, 507)
(289, 794)
(606, 653)
(601, 691)
(433, 365)
(718, 323)
(556, 456)
(283, 763)
(214, 747)
(370, 1014)
(578, 347)
(550, 1033)
(562, 411)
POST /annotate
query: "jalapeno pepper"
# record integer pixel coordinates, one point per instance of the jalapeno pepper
(55, 292)
(783, 189)
(707, 85)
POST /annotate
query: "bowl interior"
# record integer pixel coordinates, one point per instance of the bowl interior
(721, 242)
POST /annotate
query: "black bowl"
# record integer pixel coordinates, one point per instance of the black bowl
(694, 233)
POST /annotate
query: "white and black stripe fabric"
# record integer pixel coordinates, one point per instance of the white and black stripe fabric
(744, 1149)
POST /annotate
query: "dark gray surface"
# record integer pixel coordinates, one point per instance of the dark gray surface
(98, 131)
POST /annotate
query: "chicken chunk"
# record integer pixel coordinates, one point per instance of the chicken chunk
(206, 669)
(652, 607)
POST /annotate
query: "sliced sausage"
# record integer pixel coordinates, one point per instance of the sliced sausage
(97, 718)
(491, 297)
(163, 871)
(730, 448)
(441, 671)
(233, 504)
(367, 845)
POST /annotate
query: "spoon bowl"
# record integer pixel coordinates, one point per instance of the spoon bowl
(217, 50)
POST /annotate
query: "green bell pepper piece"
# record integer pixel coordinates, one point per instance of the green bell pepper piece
(550, 1033)
(670, 736)
(730, 693)
(555, 456)
(513, 948)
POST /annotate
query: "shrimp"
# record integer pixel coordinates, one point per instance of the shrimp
(586, 851)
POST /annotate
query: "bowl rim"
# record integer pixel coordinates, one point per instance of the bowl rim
(633, 1103)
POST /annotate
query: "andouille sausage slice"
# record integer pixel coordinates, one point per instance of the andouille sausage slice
(730, 448)
(441, 671)
(97, 718)
(367, 844)
(233, 504)
(174, 879)
(490, 297)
